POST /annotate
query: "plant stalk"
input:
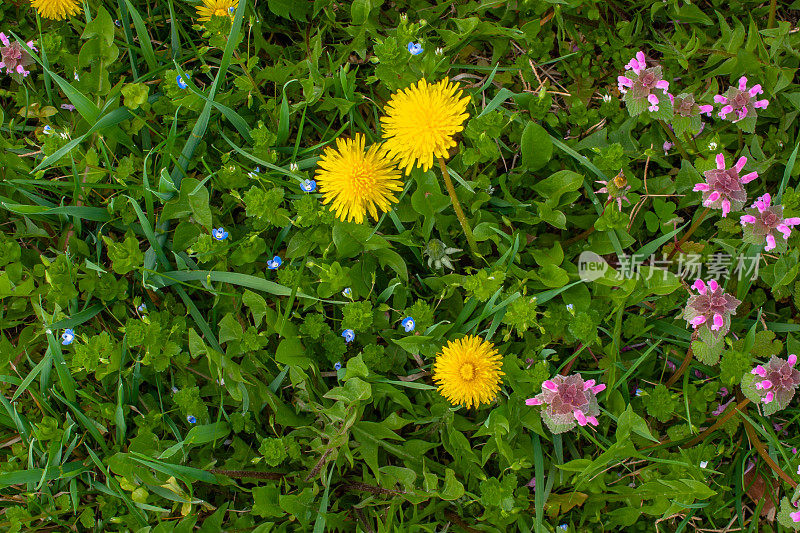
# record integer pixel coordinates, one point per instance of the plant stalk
(773, 4)
(675, 140)
(473, 245)
(688, 234)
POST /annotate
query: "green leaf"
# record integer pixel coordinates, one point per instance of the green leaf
(536, 147)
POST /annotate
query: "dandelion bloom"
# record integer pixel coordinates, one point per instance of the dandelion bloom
(739, 102)
(723, 188)
(56, 9)
(421, 121)
(570, 400)
(774, 382)
(711, 308)
(467, 371)
(218, 8)
(763, 222)
(639, 85)
(13, 58)
(354, 181)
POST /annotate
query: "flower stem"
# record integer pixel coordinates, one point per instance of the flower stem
(675, 140)
(771, 20)
(688, 233)
(457, 208)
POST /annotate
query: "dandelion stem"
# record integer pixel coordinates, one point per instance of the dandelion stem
(771, 20)
(675, 140)
(688, 233)
(457, 208)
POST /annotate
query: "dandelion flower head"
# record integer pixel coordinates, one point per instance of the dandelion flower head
(421, 121)
(355, 181)
(56, 9)
(218, 8)
(467, 371)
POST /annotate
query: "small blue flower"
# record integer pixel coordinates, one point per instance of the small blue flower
(408, 324)
(191, 419)
(255, 171)
(639, 392)
(48, 130)
(415, 49)
(308, 185)
(231, 10)
(337, 366)
(181, 82)
(67, 337)
(570, 307)
(274, 263)
(564, 527)
(347, 292)
(142, 308)
(349, 335)
(117, 23)
(220, 234)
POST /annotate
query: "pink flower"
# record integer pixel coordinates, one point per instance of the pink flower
(711, 308)
(739, 103)
(795, 516)
(777, 380)
(14, 58)
(667, 147)
(639, 83)
(723, 186)
(570, 401)
(616, 189)
(721, 408)
(764, 222)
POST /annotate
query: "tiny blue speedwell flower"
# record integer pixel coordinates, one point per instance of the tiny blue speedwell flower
(48, 130)
(117, 23)
(308, 185)
(337, 366)
(181, 82)
(564, 527)
(347, 292)
(142, 308)
(220, 234)
(415, 49)
(408, 324)
(255, 171)
(639, 392)
(191, 419)
(67, 337)
(349, 335)
(274, 263)
(231, 10)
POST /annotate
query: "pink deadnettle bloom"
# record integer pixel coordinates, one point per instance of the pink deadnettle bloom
(638, 84)
(685, 106)
(723, 186)
(14, 58)
(763, 222)
(777, 380)
(738, 102)
(711, 308)
(570, 400)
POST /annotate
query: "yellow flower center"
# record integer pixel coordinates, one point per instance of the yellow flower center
(467, 371)
(220, 12)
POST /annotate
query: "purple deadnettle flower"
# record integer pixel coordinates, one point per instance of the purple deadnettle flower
(639, 85)
(739, 103)
(764, 222)
(777, 380)
(723, 186)
(68, 107)
(570, 400)
(14, 58)
(685, 106)
(667, 147)
(616, 189)
(711, 308)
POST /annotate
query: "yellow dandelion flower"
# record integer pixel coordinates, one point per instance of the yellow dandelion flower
(421, 120)
(56, 9)
(467, 371)
(220, 8)
(354, 181)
